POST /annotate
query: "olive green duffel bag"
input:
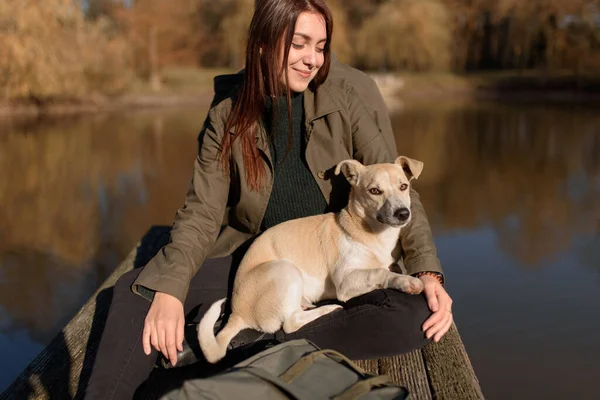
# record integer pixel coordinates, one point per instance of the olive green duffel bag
(296, 370)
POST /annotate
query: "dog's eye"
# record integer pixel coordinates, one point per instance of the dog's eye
(375, 191)
(403, 187)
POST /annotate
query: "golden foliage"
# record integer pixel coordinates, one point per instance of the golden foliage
(407, 34)
(564, 27)
(48, 51)
(501, 34)
(161, 34)
(234, 31)
(340, 45)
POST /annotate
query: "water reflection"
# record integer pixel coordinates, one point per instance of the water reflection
(76, 195)
(517, 187)
(532, 173)
(513, 194)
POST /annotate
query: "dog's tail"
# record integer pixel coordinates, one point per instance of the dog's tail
(215, 347)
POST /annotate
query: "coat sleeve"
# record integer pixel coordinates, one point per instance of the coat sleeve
(373, 141)
(197, 223)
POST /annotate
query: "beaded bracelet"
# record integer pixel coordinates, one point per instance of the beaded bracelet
(436, 275)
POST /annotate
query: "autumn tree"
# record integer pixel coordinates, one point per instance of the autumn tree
(507, 34)
(49, 51)
(358, 11)
(407, 34)
(233, 32)
(340, 45)
(162, 34)
(103, 8)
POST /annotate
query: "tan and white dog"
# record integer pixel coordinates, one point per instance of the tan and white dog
(297, 263)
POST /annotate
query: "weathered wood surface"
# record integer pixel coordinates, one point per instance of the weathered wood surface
(438, 371)
(61, 371)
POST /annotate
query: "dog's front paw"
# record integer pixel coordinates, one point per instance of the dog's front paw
(408, 284)
(416, 286)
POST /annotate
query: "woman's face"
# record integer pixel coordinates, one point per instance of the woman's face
(306, 53)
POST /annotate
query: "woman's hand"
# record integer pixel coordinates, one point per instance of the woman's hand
(440, 304)
(163, 327)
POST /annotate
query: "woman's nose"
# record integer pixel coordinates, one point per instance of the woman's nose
(310, 58)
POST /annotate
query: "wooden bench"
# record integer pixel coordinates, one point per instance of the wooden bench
(61, 371)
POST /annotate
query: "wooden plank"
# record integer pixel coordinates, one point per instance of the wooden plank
(409, 371)
(449, 369)
(370, 366)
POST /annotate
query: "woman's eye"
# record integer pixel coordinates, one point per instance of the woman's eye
(297, 46)
(320, 50)
(403, 187)
(375, 191)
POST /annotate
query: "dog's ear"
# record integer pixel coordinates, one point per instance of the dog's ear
(412, 168)
(350, 169)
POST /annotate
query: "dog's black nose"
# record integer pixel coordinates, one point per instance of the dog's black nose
(402, 214)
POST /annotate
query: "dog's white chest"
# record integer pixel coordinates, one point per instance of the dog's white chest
(357, 255)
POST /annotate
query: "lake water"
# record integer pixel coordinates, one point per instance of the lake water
(512, 193)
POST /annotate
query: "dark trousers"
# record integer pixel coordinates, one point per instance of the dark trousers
(380, 323)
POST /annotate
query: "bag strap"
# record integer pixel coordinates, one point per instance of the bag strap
(303, 363)
(362, 387)
(293, 392)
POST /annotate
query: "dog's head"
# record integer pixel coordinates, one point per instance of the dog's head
(381, 192)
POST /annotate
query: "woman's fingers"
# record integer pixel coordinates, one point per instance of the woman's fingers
(146, 339)
(170, 345)
(163, 336)
(442, 325)
(154, 337)
(163, 327)
(443, 329)
(179, 335)
(432, 300)
(162, 340)
(432, 321)
(440, 320)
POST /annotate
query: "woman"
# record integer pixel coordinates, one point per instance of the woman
(266, 150)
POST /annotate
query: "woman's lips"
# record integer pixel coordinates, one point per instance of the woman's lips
(303, 74)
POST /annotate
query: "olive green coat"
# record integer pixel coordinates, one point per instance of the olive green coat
(346, 117)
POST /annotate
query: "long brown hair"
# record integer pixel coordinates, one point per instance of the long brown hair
(271, 19)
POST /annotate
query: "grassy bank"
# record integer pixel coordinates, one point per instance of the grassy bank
(503, 85)
(180, 87)
(191, 86)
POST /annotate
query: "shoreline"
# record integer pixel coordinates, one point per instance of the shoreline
(406, 90)
(101, 104)
(398, 90)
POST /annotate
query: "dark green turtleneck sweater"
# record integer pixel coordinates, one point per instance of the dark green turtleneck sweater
(295, 192)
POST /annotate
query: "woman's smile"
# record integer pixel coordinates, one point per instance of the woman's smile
(304, 74)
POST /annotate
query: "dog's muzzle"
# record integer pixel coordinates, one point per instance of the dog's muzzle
(394, 217)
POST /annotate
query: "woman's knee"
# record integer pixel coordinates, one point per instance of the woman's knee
(376, 324)
(397, 308)
(403, 304)
(413, 307)
(407, 313)
(401, 315)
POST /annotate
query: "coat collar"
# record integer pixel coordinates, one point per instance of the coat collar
(317, 104)
(320, 103)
